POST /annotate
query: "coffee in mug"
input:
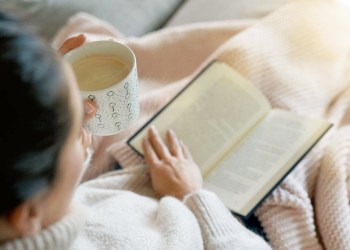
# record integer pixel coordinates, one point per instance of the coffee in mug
(99, 72)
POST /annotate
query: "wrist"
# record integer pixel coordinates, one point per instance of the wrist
(190, 194)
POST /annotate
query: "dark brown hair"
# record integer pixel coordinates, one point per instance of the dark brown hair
(35, 118)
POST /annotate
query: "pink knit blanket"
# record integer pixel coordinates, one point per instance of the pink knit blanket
(299, 58)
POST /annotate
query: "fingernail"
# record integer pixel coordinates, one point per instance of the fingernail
(83, 37)
(153, 129)
(88, 108)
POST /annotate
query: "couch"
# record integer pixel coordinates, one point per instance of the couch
(138, 17)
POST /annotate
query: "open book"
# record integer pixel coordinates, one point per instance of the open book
(243, 147)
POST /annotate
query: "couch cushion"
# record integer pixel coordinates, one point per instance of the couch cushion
(131, 17)
(208, 10)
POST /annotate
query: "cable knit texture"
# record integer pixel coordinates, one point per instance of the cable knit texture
(299, 58)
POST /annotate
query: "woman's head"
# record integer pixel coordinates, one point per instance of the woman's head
(40, 129)
(35, 119)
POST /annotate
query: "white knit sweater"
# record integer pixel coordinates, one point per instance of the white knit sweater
(124, 213)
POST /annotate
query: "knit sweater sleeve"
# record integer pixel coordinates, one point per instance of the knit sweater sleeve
(220, 229)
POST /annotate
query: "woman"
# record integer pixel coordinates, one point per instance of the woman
(45, 150)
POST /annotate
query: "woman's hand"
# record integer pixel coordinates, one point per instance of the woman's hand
(172, 168)
(70, 44)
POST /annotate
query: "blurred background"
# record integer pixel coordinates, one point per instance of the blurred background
(137, 17)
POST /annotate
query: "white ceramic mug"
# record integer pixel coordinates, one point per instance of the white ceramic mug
(118, 105)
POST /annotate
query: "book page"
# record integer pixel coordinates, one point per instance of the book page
(213, 113)
(248, 173)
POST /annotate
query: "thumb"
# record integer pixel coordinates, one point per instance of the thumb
(72, 43)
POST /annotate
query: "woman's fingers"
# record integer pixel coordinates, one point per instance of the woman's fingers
(90, 110)
(85, 138)
(150, 155)
(157, 143)
(72, 43)
(185, 151)
(174, 144)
